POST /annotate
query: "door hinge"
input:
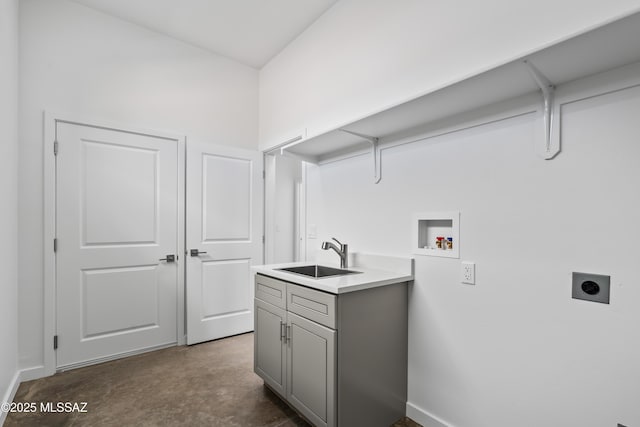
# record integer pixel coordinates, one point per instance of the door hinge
(264, 174)
(263, 238)
(55, 245)
(55, 342)
(55, 148)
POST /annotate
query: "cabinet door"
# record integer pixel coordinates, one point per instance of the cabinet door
(270, 346)
(311, 370)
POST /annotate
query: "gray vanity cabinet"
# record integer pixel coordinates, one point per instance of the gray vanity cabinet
(296, 356)
(339, 360)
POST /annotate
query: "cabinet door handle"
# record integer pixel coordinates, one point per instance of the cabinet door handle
(283, 332)
(288, 333)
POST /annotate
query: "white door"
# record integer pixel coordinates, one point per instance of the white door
(116, 218)
(224, 239)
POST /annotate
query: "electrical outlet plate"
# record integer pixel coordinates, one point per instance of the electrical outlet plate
(590, 287)
(468, 273)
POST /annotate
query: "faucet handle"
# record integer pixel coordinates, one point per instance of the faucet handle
(337, 241)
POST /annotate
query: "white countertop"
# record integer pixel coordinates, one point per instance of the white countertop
(388, 270)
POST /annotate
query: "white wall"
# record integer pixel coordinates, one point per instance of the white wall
(79, 61)
(9, 197)
(515, 349)
(362, 56)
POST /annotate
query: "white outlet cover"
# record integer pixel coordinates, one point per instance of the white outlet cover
(468, 273)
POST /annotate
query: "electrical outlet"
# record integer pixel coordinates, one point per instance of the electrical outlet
(468, 273)
(590, 287)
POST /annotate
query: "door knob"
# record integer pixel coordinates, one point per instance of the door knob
(195, 252)
(169, 258)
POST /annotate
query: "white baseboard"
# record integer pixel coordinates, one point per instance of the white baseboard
(33, 373)
(423, 417)
(9, 394)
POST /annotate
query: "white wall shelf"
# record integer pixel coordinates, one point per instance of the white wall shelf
(602, 49)
(428, 227)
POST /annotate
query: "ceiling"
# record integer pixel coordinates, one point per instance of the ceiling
(248, 31)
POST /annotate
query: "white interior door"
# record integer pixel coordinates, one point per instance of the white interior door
(224, 239)
(116, 217)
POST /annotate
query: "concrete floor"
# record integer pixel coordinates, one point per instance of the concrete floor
(210, 384)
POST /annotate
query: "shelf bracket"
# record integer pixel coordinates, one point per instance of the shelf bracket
(551, 137)
(375, 151)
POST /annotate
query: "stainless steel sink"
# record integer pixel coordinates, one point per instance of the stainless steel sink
(318, 271)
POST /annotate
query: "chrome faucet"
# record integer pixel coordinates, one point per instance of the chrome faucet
(342, 251)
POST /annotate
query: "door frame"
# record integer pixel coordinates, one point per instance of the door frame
(299, 243)
(49, 183)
